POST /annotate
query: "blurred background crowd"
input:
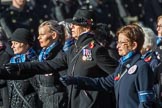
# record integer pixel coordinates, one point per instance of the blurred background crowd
(115, 13)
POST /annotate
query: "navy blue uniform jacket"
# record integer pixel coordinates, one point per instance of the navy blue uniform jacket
(127, 86)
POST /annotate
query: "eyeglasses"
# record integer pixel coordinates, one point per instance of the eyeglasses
(159, 26)
(122, 43)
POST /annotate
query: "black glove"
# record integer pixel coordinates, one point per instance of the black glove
(12, 68)
(68, 80)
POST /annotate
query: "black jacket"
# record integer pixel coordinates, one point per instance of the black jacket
(96, 63)
(50, 87)
(4, 98)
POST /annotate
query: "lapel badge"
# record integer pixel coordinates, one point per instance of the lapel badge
(128, 65)
(132, 69)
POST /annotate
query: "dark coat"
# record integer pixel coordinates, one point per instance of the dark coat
(131, 81)
(4, 98)
(51, 91)
(4, 57)
(96, 63)
(159, 50)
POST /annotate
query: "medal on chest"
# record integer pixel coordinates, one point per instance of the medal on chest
(87, 55)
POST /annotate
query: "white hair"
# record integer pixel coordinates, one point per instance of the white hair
(150, 38)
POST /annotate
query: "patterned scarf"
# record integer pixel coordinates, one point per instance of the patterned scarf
(45, 51)
(28, 56)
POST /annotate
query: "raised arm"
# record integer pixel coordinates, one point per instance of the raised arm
(87, 83)
(32, 68)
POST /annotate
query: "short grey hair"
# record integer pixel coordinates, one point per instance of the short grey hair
(150, 38)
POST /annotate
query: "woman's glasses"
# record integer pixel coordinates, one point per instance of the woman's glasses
(122, 42)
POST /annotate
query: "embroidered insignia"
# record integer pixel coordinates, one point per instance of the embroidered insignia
(132, 69)
(117, 77)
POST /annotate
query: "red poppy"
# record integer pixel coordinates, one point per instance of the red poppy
(117, 77)
(89, 21)
(148, 59)
(91, 44)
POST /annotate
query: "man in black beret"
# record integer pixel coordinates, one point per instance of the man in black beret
(87, 58)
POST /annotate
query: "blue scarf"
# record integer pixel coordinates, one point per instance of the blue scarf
(146, 54)
(68, 43)
(158, 40)
(45, 51)
(28, 56)
(126, 57)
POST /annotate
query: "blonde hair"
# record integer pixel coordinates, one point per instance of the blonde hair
(53, 26)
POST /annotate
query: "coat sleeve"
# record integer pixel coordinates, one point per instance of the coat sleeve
(144, 85)
(49, 66)
(96, 84)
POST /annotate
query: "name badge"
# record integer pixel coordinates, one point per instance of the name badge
(132, 69)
